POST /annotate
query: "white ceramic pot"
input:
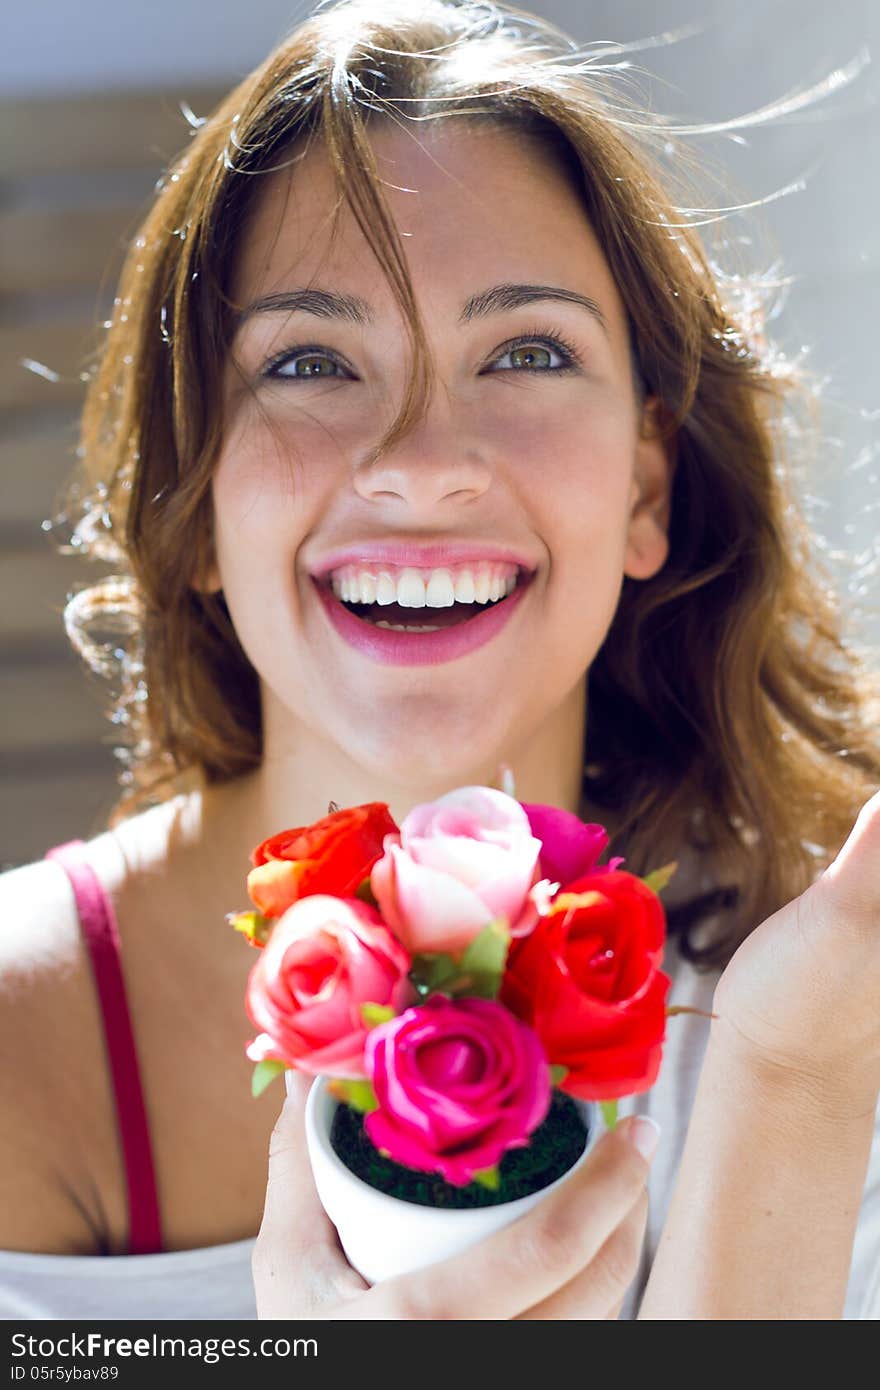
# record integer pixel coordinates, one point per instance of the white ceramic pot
(383, 1236)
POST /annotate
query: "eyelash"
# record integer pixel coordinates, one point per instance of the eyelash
(539, 337)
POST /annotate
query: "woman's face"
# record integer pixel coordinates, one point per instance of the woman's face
(527, 445)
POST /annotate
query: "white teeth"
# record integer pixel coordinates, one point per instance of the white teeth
(413, 588)
(386, 590)
(464, 587)
(440, 592)
(365, 588)
(403, 627)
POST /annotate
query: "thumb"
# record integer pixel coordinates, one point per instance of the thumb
(297, 1261)
(292, 1212)
(852, 881)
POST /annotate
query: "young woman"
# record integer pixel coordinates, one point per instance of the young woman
(413, 298)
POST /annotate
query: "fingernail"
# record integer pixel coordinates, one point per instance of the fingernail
(297, 1085)
(644, 1134)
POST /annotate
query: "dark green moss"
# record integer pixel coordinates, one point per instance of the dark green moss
(554, 1147)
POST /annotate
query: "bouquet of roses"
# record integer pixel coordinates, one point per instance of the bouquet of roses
(451, 974)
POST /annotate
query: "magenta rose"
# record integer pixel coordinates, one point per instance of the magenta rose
(325, 958)
(458, 863)
(570, 847)
(459, 1082)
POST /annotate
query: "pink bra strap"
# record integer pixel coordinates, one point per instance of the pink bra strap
(101, 933)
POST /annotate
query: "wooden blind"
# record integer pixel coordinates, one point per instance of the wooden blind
(76, 176)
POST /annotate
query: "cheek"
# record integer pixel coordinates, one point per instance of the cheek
(571, 430)
(267, 483)
(255, 516)
(576, 472)
(252, 494)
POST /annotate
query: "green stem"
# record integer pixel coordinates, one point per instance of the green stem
(609, 1112)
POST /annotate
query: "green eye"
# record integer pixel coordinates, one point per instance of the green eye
(530, 356)
(536, 353)
(539, 353)
(313, 364)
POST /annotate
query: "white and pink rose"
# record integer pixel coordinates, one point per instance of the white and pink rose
(458, 863)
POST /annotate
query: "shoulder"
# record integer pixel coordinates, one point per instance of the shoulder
(43, 964)
(48, 1013)
(59, 1163)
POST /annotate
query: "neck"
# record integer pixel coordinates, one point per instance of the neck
(302, 774)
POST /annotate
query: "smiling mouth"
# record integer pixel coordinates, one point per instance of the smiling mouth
(396, 617)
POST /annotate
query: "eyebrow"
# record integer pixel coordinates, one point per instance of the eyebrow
(329, 304)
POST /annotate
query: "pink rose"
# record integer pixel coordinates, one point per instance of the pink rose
(459, 1082)
(325, 957)
(570, 847)
(458, 863)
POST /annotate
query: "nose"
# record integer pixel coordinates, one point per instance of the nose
(437, 460)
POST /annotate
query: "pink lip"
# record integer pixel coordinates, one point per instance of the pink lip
(419, 648)
(419, 556)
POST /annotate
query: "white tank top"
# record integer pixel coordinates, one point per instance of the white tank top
(215, 1282)
(212, 1283)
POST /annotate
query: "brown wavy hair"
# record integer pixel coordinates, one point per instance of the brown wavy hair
(726, 709)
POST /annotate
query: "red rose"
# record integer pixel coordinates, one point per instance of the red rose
(587, 979)
(332, 856)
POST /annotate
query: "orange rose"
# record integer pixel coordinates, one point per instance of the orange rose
(334, 856)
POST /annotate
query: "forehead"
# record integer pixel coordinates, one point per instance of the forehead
(471, 205)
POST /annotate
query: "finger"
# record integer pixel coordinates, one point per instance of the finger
(528, 1261)
(297, 1261)
(598, 1292)
(852, 880)
(292, 1212)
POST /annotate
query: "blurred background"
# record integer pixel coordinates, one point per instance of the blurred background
(92, 101)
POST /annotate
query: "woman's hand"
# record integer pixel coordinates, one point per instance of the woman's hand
(801, 996)
(573, 1256)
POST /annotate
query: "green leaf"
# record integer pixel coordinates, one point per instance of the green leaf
(686, 1009)
(558, 1074)
(356, 1093)
(365, 893)
(374, 1014)
(478, 972)
(482, 964)
(576, 902)
(657, 879)
(264, 1072)
(609, 1112)
(253, 926)
(488, 1177)
(432, 972)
